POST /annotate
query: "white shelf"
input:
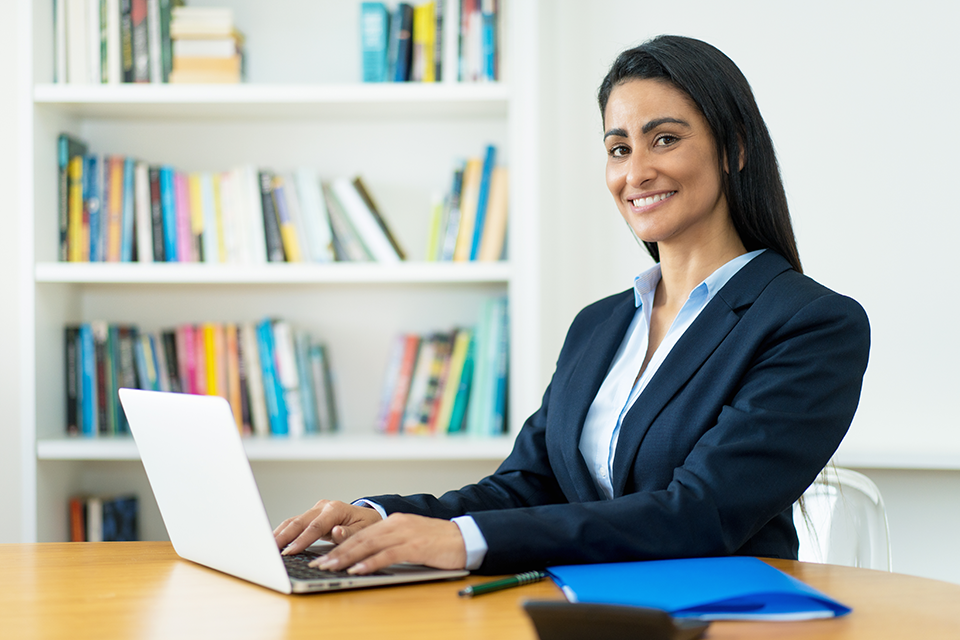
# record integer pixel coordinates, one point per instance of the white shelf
(266, 101)
(946, 459)
(280, 273)
(307, 448)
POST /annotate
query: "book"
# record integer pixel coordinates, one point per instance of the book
(154, 41)
(470, 192)
(462, 400)
(271, 223)
(88, 384)
(68, 148)
(78, 247)
(324, 388)
(232, 372)
(59, 41)
(364, 221)
(440, 421)
(374, 33)
(391, 372)
(128, 215)
(140, 38)
(252, 215)
(272, 389)
(113, 61)
(417, 396)
(450, 41)
(126, 41)
(92, 199)
(347, 244)
(71, 341)
(424, 37)
(181, 195)
(156, 215)
(288, 230)
(143, 212)
(483, 195)
(288, 376)
(401, 387)
(361, 188)
(399, 45)
(168, 208)
(308, 390)
(316, 220)
(103, 518)
(250, 355)
(495, 227)
(724, 588)
(113, 205)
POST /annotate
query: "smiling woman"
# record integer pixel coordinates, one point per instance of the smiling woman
(686, 414)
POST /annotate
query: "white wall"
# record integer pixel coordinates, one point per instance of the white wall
(862, 103)
(10, 460)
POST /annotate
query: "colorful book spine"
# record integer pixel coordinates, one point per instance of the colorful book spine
(483, 196)
(184, 218)
(272, 391)
(128, 211)
(374, 34)
(92, 197)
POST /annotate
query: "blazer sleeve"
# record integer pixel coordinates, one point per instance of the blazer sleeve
(788, 413)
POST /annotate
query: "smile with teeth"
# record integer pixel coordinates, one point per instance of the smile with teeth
(645, 202)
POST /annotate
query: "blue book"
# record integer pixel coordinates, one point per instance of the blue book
(727, 588)
(88, 382)
(169, 213)
(301, 346)
(272, 391)
(489, 161)
(498, 424)
(488, 38)
(462, 402)
(374, 33)
(400, 46)
(93, 201)
(126, 224)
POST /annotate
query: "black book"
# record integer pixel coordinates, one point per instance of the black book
(169, 339)
(126, 40)
(156, 216)
(271, 224)
(71, 337)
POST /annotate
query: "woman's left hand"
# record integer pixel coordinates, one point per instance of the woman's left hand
(401, 537)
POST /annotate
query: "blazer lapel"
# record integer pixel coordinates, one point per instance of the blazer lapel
(700, 340)
(582, 387)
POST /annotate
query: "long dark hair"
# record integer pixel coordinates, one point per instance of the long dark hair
(755, 195)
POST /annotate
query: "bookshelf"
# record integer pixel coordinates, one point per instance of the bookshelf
(402, 138)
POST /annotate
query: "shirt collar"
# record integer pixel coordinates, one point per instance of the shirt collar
(646, 283)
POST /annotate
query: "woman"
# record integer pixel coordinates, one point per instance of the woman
(686, 416)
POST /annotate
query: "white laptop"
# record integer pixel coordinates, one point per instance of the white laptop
(208, 498)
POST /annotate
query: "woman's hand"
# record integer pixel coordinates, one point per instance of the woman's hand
(328, 520)
(402, 537)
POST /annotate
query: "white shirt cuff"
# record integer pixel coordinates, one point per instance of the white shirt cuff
(473, 540)
(372, 505)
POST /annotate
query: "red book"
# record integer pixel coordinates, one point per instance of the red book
(411, 348)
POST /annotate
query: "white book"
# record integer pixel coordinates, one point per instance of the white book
(205, 48)
(253, 212)
(94, 517)
(77, 66)
(451, 41)
(364, 221)
(114, 56)
(60, 41)
(251, 364)
(93, 41)
(316, 221)
(211, 232)
(295, 210)
(154, 42)
(286, 361)
(230, 216)
(141, 205)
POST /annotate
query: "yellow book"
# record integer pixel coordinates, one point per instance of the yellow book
(495, 225)
(75, 210)
(114, 208)
(196, 204)
(218, 214)
(232, 347)
(210, 355)
(469, 194)
(457, 357)
(424, 40)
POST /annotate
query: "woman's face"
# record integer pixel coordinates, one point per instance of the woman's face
(662, 166)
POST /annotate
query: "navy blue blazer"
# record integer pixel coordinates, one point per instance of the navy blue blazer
(743, 414)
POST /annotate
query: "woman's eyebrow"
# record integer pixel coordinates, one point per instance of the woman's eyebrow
(653, 124)
(622, 133)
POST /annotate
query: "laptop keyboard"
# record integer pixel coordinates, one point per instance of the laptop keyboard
(297, 567)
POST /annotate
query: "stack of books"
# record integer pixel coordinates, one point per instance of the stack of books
(207, 48)
(471, 221)
(277, 378)
(449, 382)
(103, 518)
(112, 41)
(118, 209)
(437, 41)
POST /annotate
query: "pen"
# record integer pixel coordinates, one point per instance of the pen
(505, 583)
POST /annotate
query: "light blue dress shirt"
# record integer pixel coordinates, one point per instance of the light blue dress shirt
(618, 392)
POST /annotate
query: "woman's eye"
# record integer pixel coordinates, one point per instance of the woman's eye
(618, 151)
(665, 140)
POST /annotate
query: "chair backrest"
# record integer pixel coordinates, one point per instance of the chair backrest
(845, 521)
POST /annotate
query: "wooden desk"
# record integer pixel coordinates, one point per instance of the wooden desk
(142, 590)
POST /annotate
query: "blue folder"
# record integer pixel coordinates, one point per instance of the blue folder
(729, 588)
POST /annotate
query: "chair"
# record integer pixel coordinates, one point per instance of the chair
(844, 523)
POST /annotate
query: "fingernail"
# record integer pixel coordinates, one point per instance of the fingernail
(325, 563)
(357, 568)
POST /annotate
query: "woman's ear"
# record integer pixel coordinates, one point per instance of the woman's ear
(742, 160)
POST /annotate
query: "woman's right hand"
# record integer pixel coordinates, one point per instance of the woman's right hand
(329, 520)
